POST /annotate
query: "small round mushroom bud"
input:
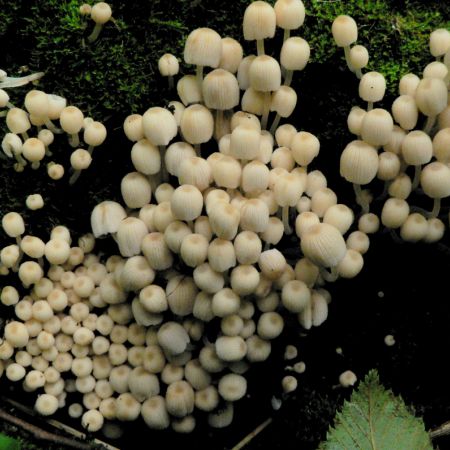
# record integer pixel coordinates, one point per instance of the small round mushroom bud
(100, 13)
(133, 128)
(439, 42)
(17, 122)
(305, 147)
(431, 99)
(283, 103)
(71, 121)
(248, 247)
(57, 251)
(294, 55)
(436, 230)
(394, 213)
(354, 120)
(289, 384)
(244, 280)
(345, 33)
(232, 387)
(254, 216)
(359, 58)
(55, 171)
(30, 273)
(270, 325)
(231, 55)
(304, 221)
(259, 23)
(175, 154)
(436, 69)
(189, 90)
(400, 187)
(230, 348)
(46, 404)
(160, 126)
(194, 250)
(405, 112)
(94, 135)
(284, 135)
(34, 202)
(245, 142)
(435, 182)
(372, 88)
(295, 296)
(203, 47)
(13, 225)
(224, 220)
(417, 149)
(350, 265)
(180, 399)
(156, 251)
(92, 420)
(154, 413)
(168, 67)
(195, 171)
(9, 296)
(358, 241)
(106, 218)
(15, 372)
(323, 244)
(173, 338)
(187, 203)
(441, 145)
(197, 124)
(359, 165)
(136, 190)
(80, 160)
(36, 102)
(347, 379)
(376, 127)
(389, 166)
(340, 216)
(130, 233)
(414, 228)
(369, 223)
(226, 172)
(16, 334)
(272, 263)
(408, 84)
(265, 76)
(225, 302)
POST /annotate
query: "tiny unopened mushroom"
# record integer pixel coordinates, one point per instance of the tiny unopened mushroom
(345, 33)
(100, 13)
(168, 66)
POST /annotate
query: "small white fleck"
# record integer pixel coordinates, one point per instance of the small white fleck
(389, 340)
(380, 294)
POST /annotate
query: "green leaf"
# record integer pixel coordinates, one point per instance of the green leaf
(375, 419)
(7, 443)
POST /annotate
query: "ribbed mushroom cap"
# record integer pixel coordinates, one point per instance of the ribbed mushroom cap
(305, 147)
(439, 42)
(265, 74)
(188, 89)
(359, 162)
(417, 148)
(160, 126)
(244, 142)
(136, 190)
(372, 87)
(323, 244)
(408, 84)
(17, 121)
(284, 101)
(197, 124)
(441, 145)
(232, 54)
(168, 65)
(203, 48)
(220, 90)
(176, 153)
(345, 31)
(435, 69)
(36, 103)
(290, 14)
(259, 21)
(243, 72)
(431, 96)
(376, 127)
(186, 202)
(354, 120)
(106, 217)
(359, 56)
(295, 53)
(435, 180)
(253, 101)
(405, 112)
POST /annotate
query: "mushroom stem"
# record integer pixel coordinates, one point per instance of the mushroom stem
(358, 73)
(417, 172)
(286, 35)
(74, 176)
(197, 149)
(266, 110)
(35, 165)
(285, 216)
(10, 105)
(47, 151)
(19, 259)
(52, 127)
(347, 58)
(275, 123)
(260, 47)
(95, 33)
(429, 124)
(360, 199)
(164, 174)
(288, 78)
(24, 135)
(3, 113)
(267, 246)
(199, 76)
(41, 262)
(90, 149)
(171, 83)
(74, 140)
(20, 159)
(10, 82)
(369, 106)
(436, 207)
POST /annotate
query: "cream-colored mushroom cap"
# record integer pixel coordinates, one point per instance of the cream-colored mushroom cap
(106, 218)
(439, 42)
(435, 180)
(168, 65)
(290, 14)
(220, 90)
(265, 74)
(259, 21)
(101, 13)
(71, 119)
(17, 121)
(36, 102)
(160, 126)
(359, 56)
(232, 53)
(186, 202)
(376, 127)
(372, 87)
(94, 134)
(323, 244)
(345, 31)
(295, 53)
(359, 162)
(203, 48)
(197, 124)
(431, 96)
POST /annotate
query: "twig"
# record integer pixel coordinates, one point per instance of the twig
(441, 430)
(251, 435)
(41, 434)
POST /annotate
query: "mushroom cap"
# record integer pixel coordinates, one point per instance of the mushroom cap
(290, 14)
(203, 48)
(372, 87)
(265, 73)
(168, 65)
(431, 96)
(220, 90)
(106, 218)
(259, 21)
(295, 53)
(435, 180)
(160, 126)
(197, 124)
(377, 126)
(345, 31)
(359, 162)
(101, 13)
(323, 244)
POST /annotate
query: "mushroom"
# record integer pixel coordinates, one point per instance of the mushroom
(259, 23)
(168, 66)
(345, 33)
(100, 13)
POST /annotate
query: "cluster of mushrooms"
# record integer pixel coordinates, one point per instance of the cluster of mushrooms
(32, 132)
(201, 287)
(408, 148)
